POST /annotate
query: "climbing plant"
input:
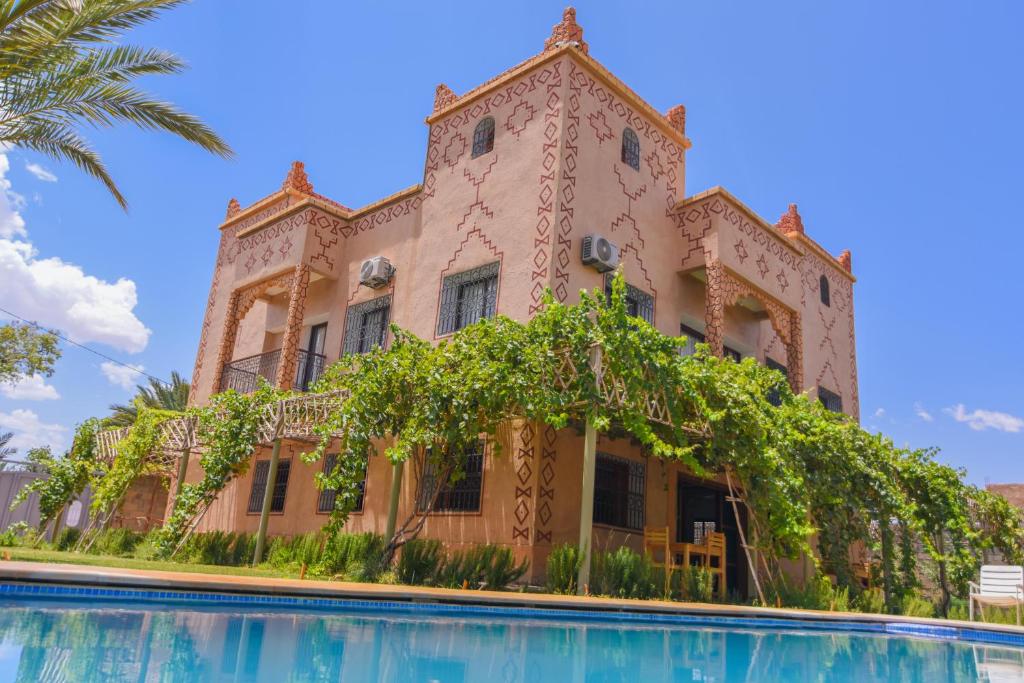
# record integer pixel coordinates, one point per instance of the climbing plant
(67, 476)
(229, 428)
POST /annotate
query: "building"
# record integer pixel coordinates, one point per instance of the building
(518, 172)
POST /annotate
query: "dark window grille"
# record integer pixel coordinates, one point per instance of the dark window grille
(730, 352)
(831, 401)
(468, 297)
(693, 337)
(366, 325)
(823, 288)
(774, 397)
(639, 303)
(619, 492)
(483, 137)
(631, 149)
(461, 496)
(325, 502)
(259, 486)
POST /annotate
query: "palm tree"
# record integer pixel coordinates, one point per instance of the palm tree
(173, 396)
(60, 68)
(5, 450)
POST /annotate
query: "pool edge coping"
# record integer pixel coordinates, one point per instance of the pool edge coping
(34, 579)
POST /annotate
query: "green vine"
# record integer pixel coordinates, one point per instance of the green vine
(67, 476)
(229, 427)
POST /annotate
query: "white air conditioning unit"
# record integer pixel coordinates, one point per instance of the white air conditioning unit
(600, 253)
(376, 272)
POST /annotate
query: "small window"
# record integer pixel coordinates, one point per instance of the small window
(259, 486)
(774, 397)
(468, 297)
(619, 492)
(693, 337)
(730, 352)
(833, 402)
(639, 303)
(823, 288)
(631, 149)
(325, 502)
(483, 137)
(461, 496)
(366, 325)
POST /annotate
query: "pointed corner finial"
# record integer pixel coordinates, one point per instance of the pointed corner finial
(567, 32)
(443, 96)
(677, 118)
(234, 208)
(791, 221)
(846, 260)
(297, 179)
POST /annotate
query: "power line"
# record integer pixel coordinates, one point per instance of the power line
(82, 346)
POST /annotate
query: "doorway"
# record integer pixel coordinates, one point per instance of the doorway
(702, 507)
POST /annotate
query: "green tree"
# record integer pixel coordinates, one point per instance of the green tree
(157, 395)
(61, 68)
(26, 350)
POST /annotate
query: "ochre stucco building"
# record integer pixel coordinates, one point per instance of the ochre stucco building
(518, 171)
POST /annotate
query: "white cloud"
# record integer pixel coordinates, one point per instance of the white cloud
(41, 173)
(11, 223)
(31, 432)
(980, 420)
(880, 412)
(59, 294)
(30, 388)
(922, 413)
(119, 375)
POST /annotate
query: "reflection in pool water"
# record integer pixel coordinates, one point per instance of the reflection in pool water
(58, 641)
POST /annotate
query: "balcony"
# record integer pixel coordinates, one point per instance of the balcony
(243, 375)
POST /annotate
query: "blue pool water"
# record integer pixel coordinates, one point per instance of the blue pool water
(43, 640)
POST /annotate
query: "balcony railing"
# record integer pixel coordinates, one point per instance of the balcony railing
(243, 375)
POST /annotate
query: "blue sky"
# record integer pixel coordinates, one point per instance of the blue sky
(894, 126)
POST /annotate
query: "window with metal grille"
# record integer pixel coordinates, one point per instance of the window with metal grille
(693, 337)
(774, 397)
(619, 492)
(730, 352)
(833, 402)
(823, 288)
(366, 325)
(468, 297)
(259, 486)
(483, 137)
(325, 502)
(631, 149)
(460, 496)
(639, 303)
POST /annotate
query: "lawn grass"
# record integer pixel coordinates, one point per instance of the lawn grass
(67, 557)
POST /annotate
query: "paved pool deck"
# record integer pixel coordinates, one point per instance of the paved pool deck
(21, 572)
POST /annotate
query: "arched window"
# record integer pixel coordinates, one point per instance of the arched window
(483, 137)
(823, 288)
(631, 149)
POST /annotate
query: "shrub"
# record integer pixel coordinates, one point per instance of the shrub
(67, 538)
(623, 574)
(116, 542)
(562, 569)
(483, 566)
(871, 601)
(224, 548)
(18, 533)
(696, 584)
(817, 593)
(917, 606)
(356, 557)
(419, 562)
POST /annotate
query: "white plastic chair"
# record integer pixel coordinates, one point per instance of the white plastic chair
(1001, 585)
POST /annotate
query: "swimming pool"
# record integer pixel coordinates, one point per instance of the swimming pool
(61, 634)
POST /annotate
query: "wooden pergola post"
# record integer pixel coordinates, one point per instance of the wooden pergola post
(397, 471)
(587, 497)
(268, 492)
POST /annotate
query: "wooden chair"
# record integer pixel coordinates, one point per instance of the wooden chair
(1002, 586)
(714, 541)
(656, 541)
